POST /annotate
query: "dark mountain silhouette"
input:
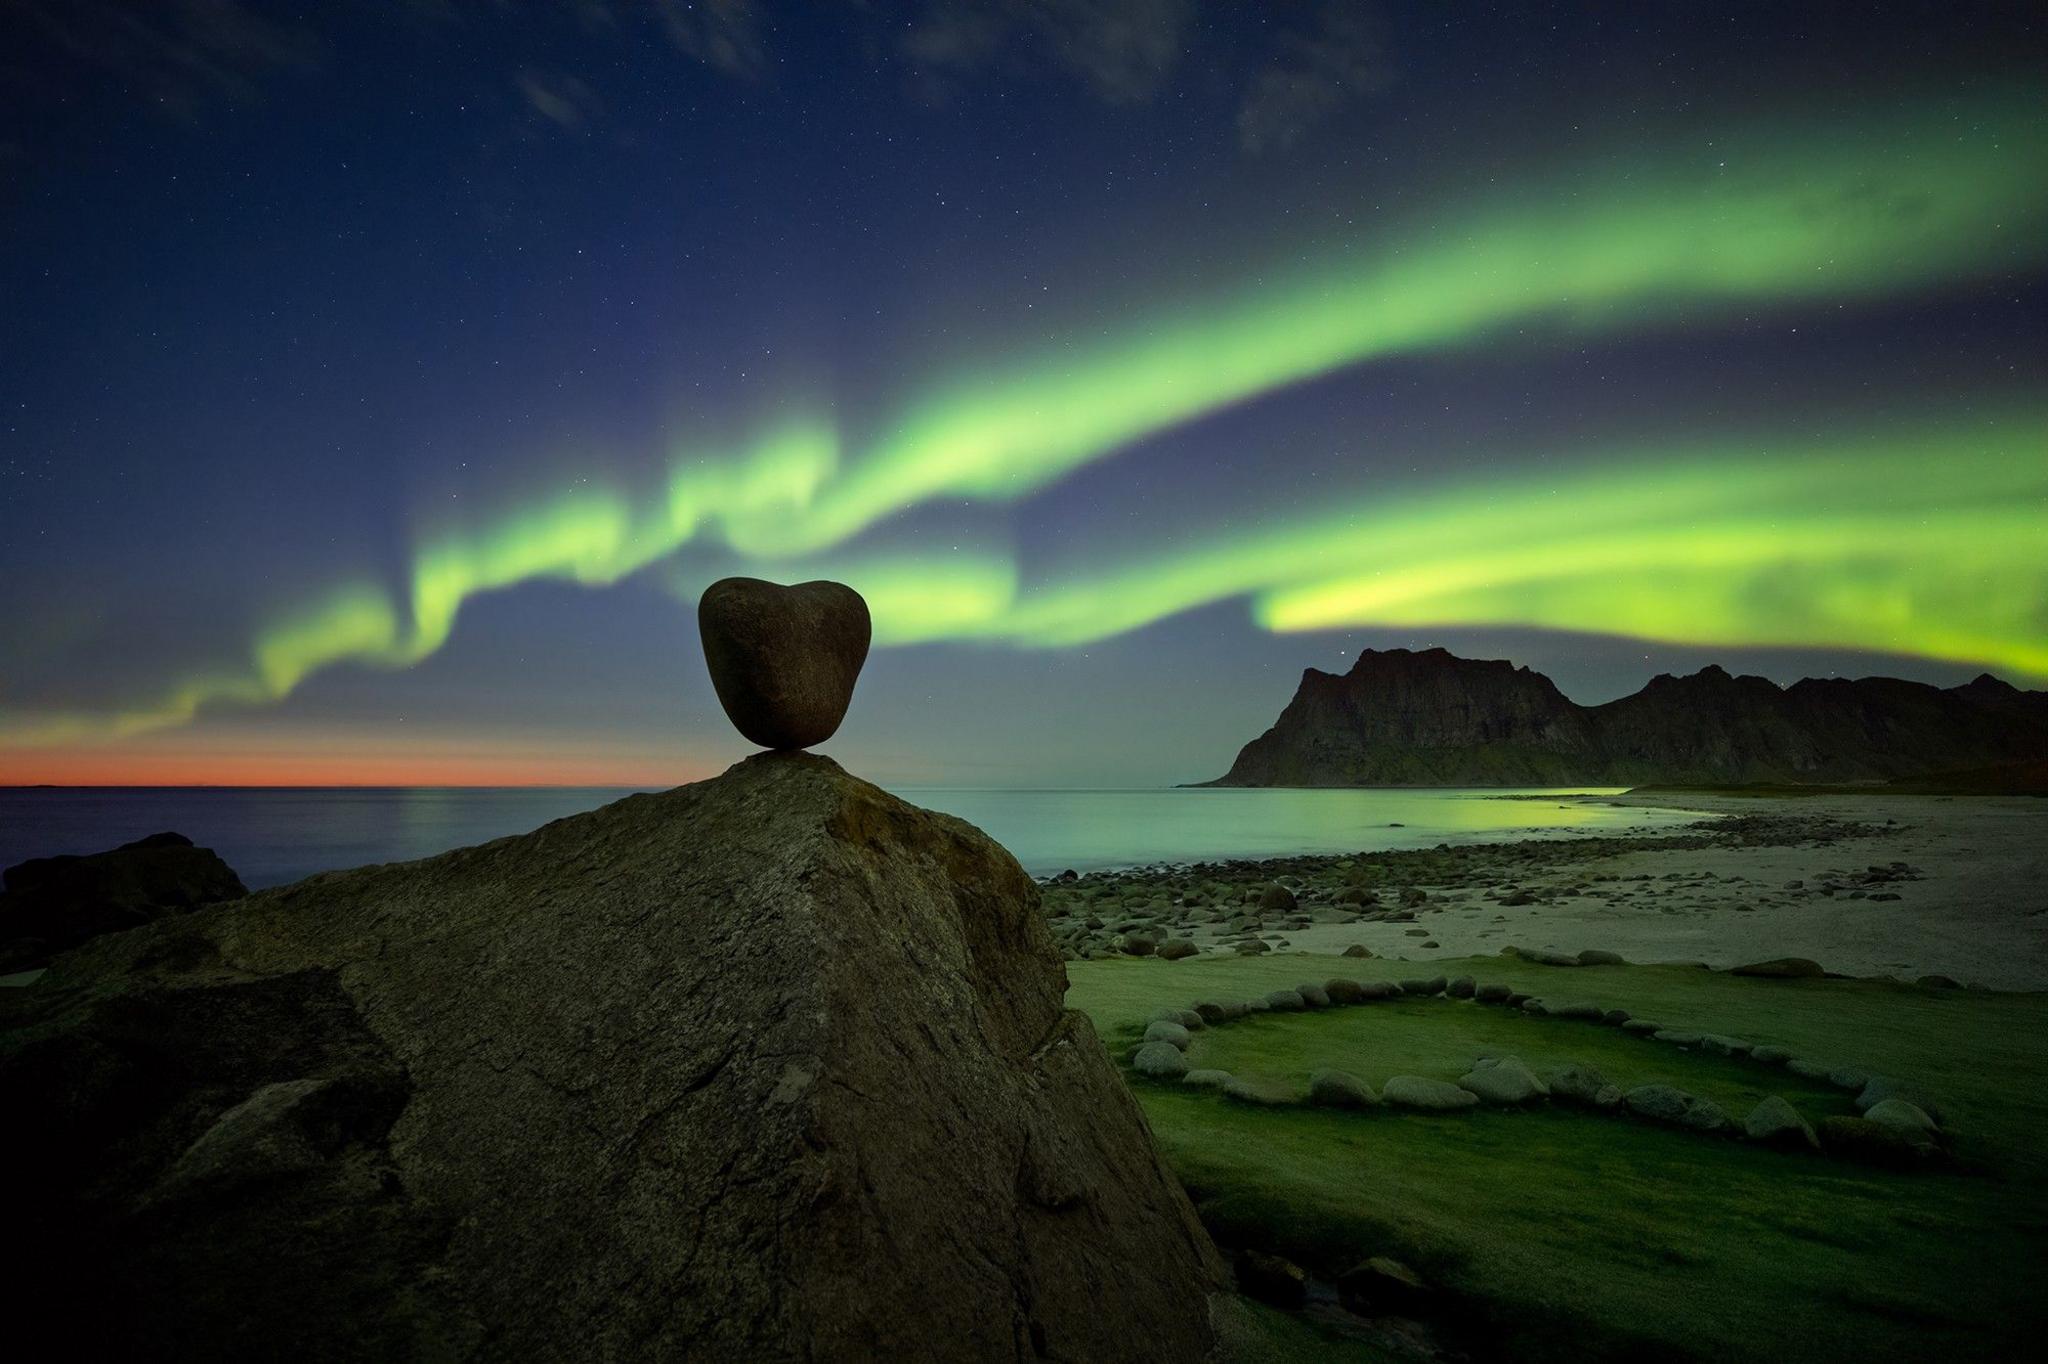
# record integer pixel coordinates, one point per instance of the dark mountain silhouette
(1430, 718)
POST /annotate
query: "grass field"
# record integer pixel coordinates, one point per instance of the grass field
(1562, 1234)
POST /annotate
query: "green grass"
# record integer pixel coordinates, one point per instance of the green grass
(1576, 1235)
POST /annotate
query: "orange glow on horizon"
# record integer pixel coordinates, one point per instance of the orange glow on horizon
(332, 760)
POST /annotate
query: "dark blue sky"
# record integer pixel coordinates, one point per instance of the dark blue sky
(293, 298)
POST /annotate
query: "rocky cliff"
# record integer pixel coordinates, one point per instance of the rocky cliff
(1402, 718)
(770, 1067)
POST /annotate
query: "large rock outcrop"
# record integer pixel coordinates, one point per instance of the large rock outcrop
(770, 1067)
(48, 904)
(1429, 718)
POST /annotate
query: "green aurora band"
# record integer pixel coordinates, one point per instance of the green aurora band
(1927, 542)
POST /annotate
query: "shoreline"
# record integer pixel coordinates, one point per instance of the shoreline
(1867, 884)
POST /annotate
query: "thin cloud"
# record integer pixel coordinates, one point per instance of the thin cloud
(1123, 50)
(1313, 75)
(562, 99)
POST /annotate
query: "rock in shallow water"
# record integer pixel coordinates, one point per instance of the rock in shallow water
(783, 659)
(51, 904)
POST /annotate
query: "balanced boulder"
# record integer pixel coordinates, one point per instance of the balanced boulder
(783, 660)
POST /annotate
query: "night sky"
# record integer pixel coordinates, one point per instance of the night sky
(380, 383)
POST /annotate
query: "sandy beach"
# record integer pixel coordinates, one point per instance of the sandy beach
(1866, 885)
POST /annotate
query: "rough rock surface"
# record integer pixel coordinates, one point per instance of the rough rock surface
(1434, 1096)
(51, 904)
(774, 1066)
(1664, 1103)
(783, 659)
(1503, 1081)
(1431, 718)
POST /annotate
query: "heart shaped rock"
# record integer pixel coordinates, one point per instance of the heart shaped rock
(783, 659)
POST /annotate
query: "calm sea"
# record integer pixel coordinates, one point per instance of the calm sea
(271, 836)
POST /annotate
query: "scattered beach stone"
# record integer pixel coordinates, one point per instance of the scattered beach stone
(1614, 1018)
(783, 660)
(1775, 1122)
(1377, 989)
(1272, 1280)
(1430, 1096)
(1770, 1056)
(1677, 1037)
(1173, 1034)
(1848, 1077)
(1382, 1286)
(51, 904)
(1596, 957)
(1491, 994)
(1643, 1026)
(1252, 947)
(1781, 968)
(1535, 1006)
(1725, 1046)
(1207, 1079)
(1313, 995)
(1461, 988)
(1422, 987)
(1136, 944)
(1160, 1061)
(1504, 1081)
(1670, 1104)
(1285, 1001)
(1176, 949)
(1276, 899)
(1939, 983)
(1583, 1010)
(1339, 1089)
(1516, 999)
(1212, 1011)
(1810, 1070)
(1358, 949)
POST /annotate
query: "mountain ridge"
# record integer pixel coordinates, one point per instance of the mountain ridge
(1428, 717)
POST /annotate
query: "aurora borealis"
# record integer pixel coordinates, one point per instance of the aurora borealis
(1370, 395)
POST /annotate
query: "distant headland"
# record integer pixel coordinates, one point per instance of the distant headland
(1430, 718)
